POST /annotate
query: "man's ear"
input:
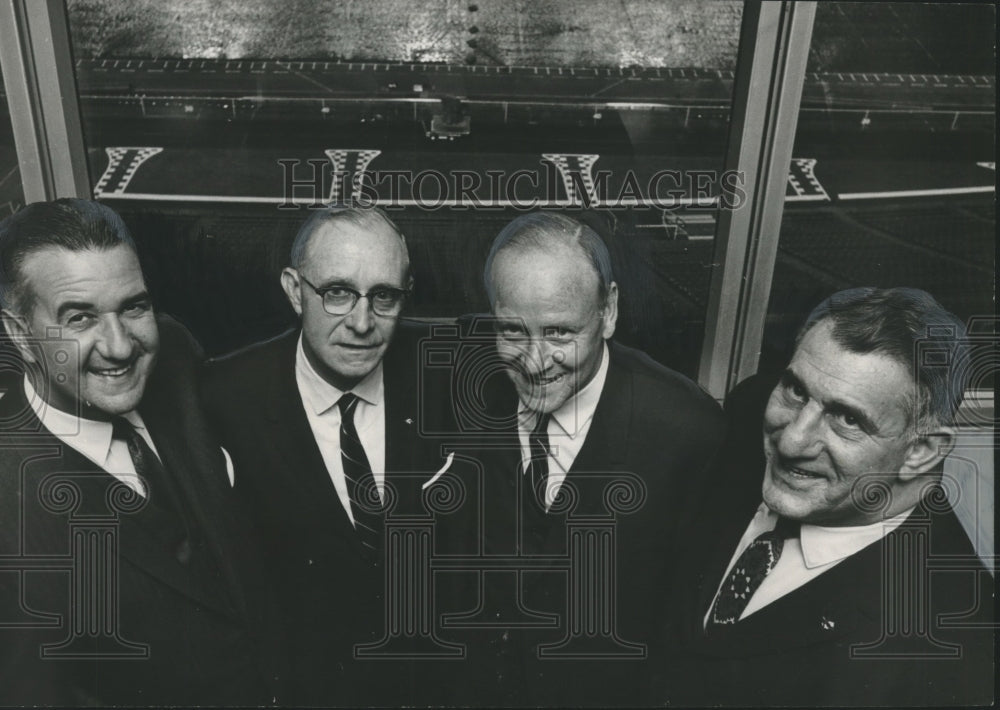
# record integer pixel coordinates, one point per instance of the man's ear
(610, 317)
(926, 451)
(19, 333)
(290, 285)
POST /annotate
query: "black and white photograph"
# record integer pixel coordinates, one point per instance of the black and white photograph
(508, 353)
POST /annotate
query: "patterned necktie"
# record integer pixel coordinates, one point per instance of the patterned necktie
(161, 508)
(538, 465)
(749, 571)
(366, 506)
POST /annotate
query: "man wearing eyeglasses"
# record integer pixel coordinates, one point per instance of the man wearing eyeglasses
(321, 424)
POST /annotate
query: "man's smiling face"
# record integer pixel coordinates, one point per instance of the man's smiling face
(96, 302)
(552, 322)
(836, 419)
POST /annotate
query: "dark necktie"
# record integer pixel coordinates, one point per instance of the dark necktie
(161, 508)
(366, 506)
(538, 465)
(749, 571)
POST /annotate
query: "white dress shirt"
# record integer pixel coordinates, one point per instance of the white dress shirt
(816, 550)
(567, 429)
(92, 438)
(320, 398)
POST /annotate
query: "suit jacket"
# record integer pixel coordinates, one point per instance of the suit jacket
(918, 637)
(174, 633)
(329, 594)
(653, 436)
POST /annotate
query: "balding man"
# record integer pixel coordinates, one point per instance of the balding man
(589, 420)
(317, 422)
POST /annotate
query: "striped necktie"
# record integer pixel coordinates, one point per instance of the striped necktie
(366, 506)
(537, 468)
(538, 465)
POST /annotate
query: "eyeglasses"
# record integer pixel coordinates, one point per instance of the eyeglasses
(340, 300)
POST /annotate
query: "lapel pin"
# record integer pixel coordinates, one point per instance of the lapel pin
(409, 420)
(826, 624)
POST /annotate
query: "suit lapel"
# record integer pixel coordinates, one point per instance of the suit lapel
(844, 604)
(136, 542)
(603, 452)
(193, 479)
(500, 453)
(825, 609)
(410, 458)
(718, 552)
(292, 437)
(400, 397)
(406, 455)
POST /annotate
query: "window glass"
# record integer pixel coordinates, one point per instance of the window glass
(459, 115)
(11, 191)
(893, 170)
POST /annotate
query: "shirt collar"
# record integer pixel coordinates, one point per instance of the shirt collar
(320, 396)
(822, 545)
(578, 410)
(90, 437)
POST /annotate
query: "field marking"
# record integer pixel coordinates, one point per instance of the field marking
(116, 155)
(807, 198)
(917, 193)
(802, 179)
(359, 164)
(579, 164)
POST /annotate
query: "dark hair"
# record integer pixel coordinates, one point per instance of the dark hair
(908, 325)
(369, 217)
(68, 223)
(541, 230)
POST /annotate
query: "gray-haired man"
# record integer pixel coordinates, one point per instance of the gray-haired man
(821, 585)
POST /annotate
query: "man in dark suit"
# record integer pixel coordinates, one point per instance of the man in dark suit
(119, 576)
(323, 427)
(588, 472)
(845, 579)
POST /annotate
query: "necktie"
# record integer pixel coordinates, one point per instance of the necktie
(538, 465)
(749, 571)
(161, 508)
(366, 506)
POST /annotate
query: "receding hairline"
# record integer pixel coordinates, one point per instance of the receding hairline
(363, 219)
(553, 248)
(544, 229)
(326, 230)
